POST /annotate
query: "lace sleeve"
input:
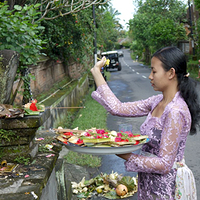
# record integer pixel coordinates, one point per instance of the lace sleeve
(161, 164)
(111, 103)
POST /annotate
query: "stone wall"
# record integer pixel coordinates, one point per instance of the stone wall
(46, 74)
(49, 72)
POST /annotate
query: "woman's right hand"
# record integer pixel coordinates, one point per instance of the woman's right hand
(99, 64)
(96, 72)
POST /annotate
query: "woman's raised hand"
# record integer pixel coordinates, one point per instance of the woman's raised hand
(100, 63)
(96, 72)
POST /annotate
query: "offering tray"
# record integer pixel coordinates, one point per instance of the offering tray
(103, 150)
(100, 142)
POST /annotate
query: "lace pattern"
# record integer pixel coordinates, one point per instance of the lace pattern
(168, 136)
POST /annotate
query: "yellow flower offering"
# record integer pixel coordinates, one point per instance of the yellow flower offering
(107, 61)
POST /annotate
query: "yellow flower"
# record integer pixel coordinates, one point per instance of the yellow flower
(107, 62)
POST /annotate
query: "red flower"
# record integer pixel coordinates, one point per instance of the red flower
(136, 135)
(98, 136)
(79, 141)
(100, 131)
(87, 134)
(33, 105)
(76, 21)
(137, 142)
(118, 139)
(68, 133)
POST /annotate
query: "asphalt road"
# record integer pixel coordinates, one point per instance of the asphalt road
(131, 84)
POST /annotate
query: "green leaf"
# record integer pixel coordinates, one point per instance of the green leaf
(17, 7)
(112, 195)
(129, 182)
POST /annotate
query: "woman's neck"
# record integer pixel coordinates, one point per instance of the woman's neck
(169, 95)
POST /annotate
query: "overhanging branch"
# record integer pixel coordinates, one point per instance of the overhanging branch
(65, 7)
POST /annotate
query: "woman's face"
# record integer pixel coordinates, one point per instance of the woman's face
(158, 76)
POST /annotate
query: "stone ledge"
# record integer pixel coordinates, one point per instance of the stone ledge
(15, 186)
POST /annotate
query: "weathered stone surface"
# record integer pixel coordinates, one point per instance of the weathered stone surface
(26, 122)
(16, 184)
(49, 177)
(8, 69)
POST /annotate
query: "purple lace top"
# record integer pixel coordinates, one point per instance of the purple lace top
(168, 134)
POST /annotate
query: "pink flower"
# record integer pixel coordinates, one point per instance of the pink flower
(118, 139)
(130, 134)
(119, 135)
(87, 134)
(100, 131)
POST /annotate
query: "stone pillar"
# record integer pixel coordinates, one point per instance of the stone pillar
(9, 61)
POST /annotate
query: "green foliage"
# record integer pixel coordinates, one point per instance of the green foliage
(108, 28)
(8, 135)
(157, 24)
(197, 4)
(72, 36)
(19, 32)
(197, 28)
(22, 160)
(128, 182)
(66, 38)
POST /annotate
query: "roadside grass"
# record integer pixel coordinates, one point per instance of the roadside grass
(81, 159)
(93, 115)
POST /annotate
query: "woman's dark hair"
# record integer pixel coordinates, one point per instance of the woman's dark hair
(173, 57)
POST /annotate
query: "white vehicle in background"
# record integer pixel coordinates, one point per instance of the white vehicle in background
(120, 53)
(113, 56)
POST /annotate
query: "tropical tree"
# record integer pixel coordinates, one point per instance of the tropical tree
(108, 27)
(196, 36)
(157, 23)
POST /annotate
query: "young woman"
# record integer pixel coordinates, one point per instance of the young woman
(171, 116)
